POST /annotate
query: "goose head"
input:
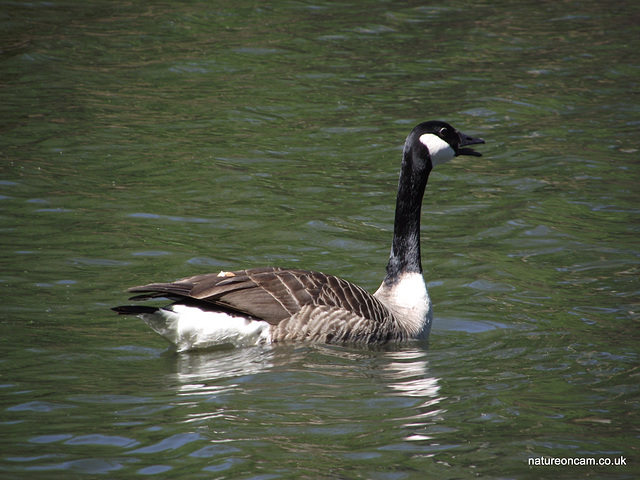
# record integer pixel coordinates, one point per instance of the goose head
(438, 142)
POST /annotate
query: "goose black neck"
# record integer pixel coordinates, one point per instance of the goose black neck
(405, 248)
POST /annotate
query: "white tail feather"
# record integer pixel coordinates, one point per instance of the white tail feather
(190, 328)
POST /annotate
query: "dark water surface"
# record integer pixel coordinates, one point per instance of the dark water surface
(146, 141)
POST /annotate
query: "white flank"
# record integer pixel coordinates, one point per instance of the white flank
(439, 150)
(190, 328)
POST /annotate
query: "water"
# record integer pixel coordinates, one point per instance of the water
(144, 141)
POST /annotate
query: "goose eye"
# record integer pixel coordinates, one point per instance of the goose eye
(443, 132)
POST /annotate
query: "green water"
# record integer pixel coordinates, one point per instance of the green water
(144, 141)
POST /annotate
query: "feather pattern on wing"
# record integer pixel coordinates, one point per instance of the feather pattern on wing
(297, 303)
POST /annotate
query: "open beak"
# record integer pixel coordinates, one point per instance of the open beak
(467, 140)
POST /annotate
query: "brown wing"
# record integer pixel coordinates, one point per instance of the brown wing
(270, 294)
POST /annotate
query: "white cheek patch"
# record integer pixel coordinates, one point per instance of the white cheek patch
(440, 151)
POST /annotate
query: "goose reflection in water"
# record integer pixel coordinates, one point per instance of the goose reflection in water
(310, 385)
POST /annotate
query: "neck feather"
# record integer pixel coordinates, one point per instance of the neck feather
(405, 248)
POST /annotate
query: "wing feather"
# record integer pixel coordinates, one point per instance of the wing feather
(271, 294)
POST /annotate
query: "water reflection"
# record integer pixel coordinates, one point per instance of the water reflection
(403, 369)
(408, 375)
(196, 370)
(311, 385)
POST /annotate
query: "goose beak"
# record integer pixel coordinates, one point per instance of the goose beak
(467, 140)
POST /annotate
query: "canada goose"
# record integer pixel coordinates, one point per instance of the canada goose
(265, 305)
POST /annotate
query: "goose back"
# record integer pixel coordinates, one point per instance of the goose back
(298, 304)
